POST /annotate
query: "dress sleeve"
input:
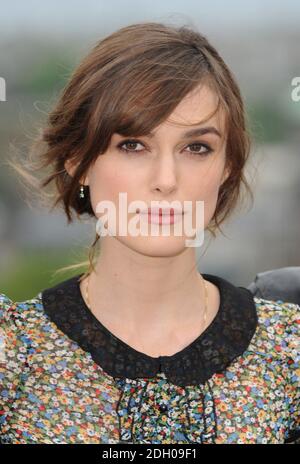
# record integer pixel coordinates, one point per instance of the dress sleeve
(292, 343)
(12, 355)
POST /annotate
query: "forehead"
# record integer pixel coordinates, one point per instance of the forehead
(197, 107)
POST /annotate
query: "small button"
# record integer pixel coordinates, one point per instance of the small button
(163, 407)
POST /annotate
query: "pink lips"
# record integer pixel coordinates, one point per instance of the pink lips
(162, 215)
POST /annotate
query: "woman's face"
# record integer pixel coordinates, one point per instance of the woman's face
(165, 167)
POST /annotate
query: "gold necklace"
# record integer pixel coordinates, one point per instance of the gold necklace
(205, 305)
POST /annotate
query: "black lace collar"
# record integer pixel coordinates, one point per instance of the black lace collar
(226, 338)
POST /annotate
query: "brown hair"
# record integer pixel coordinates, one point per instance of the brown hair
(129, 83)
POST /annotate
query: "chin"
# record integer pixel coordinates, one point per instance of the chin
(155, 246)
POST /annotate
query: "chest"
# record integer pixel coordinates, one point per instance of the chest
(245, 404)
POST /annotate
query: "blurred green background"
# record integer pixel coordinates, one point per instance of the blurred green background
(35, 270)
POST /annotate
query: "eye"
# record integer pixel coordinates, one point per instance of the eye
(207, 149)
(129, 142)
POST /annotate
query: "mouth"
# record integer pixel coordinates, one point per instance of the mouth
(161, 215)
(161, 211)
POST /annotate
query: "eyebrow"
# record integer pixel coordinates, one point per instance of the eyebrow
(197, 131)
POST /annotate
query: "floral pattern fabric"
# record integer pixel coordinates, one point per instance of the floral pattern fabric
(53, 388)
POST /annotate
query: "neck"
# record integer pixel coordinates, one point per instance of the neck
(146, 291)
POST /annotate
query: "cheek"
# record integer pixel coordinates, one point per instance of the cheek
(107, 180)
(204, 185)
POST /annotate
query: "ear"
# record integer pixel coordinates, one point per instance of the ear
(225, 176)
(70, 168)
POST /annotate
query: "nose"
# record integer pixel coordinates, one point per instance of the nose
(164, 176)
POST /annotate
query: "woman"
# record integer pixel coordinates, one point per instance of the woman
(142, 348)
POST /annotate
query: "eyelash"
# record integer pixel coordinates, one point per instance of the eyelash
(124, 142)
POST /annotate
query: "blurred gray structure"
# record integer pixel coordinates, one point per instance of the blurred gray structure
(278, 284)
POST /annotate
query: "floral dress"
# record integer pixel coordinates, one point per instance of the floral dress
(65, 378)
